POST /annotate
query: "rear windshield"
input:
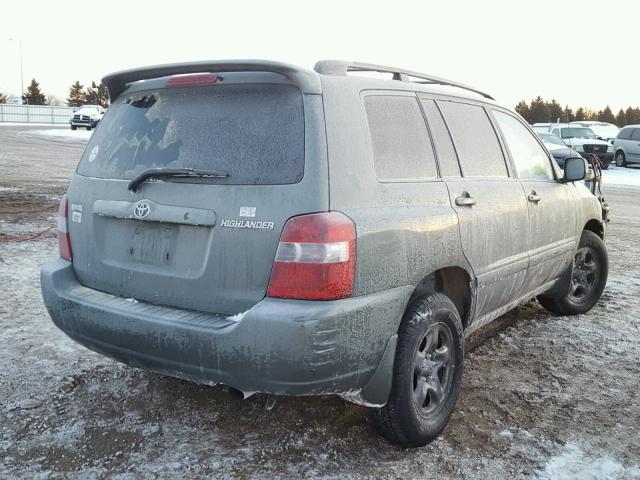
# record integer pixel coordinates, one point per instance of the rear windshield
(252, 132)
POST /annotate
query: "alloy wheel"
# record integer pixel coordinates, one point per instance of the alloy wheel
(433, 369)
(585, 274)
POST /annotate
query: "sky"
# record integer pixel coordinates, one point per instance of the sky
(578, 52)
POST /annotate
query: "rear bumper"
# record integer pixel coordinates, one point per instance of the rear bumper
(286, 347)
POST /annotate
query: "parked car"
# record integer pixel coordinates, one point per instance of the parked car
(541, 127)
(560, 150)
(302, 232)
(584, 140)
(15, 100)
(86, 116)
(627, 146)
(603, 130)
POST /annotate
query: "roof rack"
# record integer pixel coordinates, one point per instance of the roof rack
(340, 67)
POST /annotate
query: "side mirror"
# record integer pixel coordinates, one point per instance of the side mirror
(575, 169)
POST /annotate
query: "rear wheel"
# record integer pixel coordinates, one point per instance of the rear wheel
(427, 373)
(73, 127)
(621, 160)
(588, 278)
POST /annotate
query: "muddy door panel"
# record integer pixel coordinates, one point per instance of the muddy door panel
(494, 226)
(552, 231)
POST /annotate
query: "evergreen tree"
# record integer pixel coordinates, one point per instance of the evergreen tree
(606, 115)
(523, 109)
(76, 96)
(34, 95)
(555, 110)
(542, 111)
(103, 95)
(567, 114)
(97, 95)
(538, 111)
(631, 116)
(3, 97)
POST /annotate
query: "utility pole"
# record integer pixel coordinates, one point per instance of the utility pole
(21, 71)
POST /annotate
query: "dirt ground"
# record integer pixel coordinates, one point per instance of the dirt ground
(543, 396)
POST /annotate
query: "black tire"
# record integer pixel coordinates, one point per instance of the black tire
(89, 128)
(587, 280)
(621, 160)
(73, 127)
(432, 321)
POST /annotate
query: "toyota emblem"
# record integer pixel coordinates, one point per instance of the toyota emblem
(142, 209)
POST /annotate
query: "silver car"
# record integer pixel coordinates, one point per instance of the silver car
(299, 232)
(627, 146)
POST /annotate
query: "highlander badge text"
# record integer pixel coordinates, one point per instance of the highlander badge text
(255, 224)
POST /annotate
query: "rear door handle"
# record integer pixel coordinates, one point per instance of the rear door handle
(465, 201)
(534, 197)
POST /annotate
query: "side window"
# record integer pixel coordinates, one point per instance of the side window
(475, 140)
(636, 134)
(447, 158)
(530, 159)
(625, 134)
(401, 145)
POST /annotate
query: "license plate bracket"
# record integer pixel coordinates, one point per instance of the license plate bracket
(152, 243)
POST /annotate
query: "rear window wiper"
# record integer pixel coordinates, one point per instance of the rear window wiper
(174, 173)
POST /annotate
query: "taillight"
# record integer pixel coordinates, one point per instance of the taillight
(316, 258)
(191, 79)
(64, 242)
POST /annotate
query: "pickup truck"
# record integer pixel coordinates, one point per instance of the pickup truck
(86, 116)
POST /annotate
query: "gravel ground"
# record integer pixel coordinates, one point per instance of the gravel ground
(543, 396)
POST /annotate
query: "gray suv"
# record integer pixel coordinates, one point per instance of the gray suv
(301, 232)
(627, 146)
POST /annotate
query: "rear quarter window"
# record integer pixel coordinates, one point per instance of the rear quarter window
(400, 141)
(253, 132)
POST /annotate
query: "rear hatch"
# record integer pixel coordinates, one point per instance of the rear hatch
(198, 243)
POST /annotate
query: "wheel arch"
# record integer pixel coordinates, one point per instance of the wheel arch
(454, 282)
(596, 227)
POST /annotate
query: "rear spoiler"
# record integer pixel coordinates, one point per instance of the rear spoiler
(306, 80)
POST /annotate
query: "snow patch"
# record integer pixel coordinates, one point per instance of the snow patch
(574, 464)
(64, 133)
(628, 177)
(238, 316)
(28, 124)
